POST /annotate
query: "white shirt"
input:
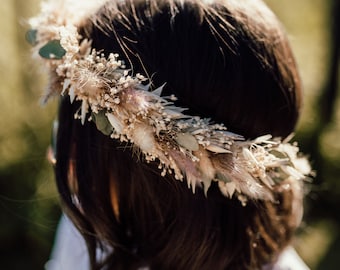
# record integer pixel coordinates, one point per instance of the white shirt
(70, 252)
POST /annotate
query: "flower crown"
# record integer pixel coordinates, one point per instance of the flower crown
(125, 108)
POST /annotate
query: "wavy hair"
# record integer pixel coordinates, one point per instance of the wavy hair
(225, 60)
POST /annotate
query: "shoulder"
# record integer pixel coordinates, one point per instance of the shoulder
(69, 251)
(288, 260)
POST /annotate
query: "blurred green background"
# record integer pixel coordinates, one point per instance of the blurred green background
(29, 210)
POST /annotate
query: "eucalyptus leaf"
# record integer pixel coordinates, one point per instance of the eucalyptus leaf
(31, 36)
(221, 177)
(188, 141)
(102, 122)
(52, 50)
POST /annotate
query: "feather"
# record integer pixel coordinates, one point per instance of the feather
(232, 168)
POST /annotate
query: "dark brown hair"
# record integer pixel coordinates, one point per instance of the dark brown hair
(227, 60)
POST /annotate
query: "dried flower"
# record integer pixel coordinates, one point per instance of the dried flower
(124, 107)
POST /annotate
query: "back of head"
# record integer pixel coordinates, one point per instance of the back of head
(225, 60)
(228, 60)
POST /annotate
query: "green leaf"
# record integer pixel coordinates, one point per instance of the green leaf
(220, 176)
(188, 141)
(31, 36)
(102, 122)
(52, 50)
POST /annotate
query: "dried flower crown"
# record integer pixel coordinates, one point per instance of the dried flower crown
(123, 107)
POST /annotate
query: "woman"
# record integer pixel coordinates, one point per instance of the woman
(124, 141)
